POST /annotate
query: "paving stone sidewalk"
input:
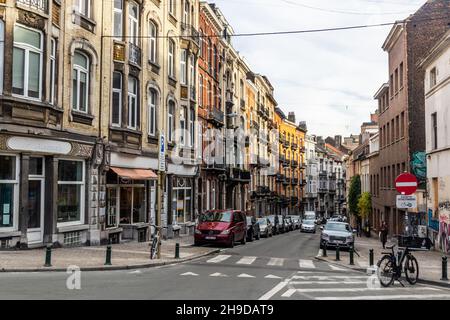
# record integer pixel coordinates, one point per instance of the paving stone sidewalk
(131, 255)
(430, 262)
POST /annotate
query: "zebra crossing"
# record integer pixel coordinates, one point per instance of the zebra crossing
(273, 262)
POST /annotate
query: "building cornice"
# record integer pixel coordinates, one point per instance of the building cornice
(393, 36)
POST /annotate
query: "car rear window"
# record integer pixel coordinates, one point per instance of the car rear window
(216, 216)
(308, 222)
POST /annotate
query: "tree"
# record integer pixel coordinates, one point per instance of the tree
(365, 205)
(353, 195)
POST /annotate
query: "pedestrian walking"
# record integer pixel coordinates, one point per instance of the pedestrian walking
(384, 230)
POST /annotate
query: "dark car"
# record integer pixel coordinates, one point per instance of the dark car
(221, 227)
(265, 227)
(276, 225)
(253, 230)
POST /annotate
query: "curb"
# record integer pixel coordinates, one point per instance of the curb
(113, 268)
(422, 281)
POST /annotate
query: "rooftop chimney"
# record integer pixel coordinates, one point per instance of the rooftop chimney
(291, 117)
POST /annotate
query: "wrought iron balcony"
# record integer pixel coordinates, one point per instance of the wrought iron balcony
(294, 163)
(216, 116)
(188, 32)
(215, 167)
(134, 54)
(239, 175)
(39, 5)
(262, 190)
(294, 181)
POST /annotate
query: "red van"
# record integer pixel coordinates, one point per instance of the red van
(221, 227)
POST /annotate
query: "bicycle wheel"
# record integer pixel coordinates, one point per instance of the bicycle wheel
(386, 271)
(411, 269)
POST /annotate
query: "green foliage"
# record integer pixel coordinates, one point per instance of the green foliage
(365, 205)
(353, 195)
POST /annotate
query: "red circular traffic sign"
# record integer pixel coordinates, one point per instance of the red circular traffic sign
(406, 183)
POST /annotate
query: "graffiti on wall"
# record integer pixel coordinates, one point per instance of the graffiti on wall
(444, 226)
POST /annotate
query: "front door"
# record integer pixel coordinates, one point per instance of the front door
(36, 190)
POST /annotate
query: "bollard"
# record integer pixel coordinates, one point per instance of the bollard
(108, 255)
(371, 257)
(324, 250)
(444, 269)
(350, 251)
(48, 256)
(177, 250)
(337, 253)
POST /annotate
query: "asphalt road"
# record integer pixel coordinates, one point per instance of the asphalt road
(281, 267)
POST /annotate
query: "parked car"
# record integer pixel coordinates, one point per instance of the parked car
(266, 227)
(289, 223)
(337, 233)
(276, 225)
(296, 220)
(221, 227)
(308, 226)
(253, 230)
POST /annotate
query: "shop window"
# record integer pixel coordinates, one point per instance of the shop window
(8, 190)
(71, 189)
(132, 204)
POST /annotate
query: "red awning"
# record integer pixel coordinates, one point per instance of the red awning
(135, 174)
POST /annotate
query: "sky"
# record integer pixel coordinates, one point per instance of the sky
(328, 79)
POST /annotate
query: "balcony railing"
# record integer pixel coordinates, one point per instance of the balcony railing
(239, 175)
(39, 5)
(262, 190)
(134, 54)
(190, 33)
(294, 163)
(216, 116)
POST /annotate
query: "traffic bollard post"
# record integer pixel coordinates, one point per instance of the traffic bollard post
(371, 257)
(48, 256)
(337, 253)
(444, 269)
(177, 250)
(351, 257)
(108, 255)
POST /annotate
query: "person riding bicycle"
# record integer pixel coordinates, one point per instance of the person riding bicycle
(384, 230)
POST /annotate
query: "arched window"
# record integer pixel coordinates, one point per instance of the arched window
(80, 82)
(133, 103)
(153, 44)
(133, 22)
(118, 19)
(210, 64)
(171, 121)
(171, 58)
(152, 113)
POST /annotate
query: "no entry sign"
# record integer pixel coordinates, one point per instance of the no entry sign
(406, 184)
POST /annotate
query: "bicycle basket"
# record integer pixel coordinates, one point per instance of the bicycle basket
(414, 242)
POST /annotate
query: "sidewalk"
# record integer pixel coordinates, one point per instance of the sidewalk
(130, 255)
(430, 262)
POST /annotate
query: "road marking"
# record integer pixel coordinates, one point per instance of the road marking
(328, 277)
(328, 282)
(271, 276)
(333, 267)
(276, 262)
(244, 275)
(135, 272)
(308, 264)
(354, 289)
(219, 258)
(218, 274)
(273, 291)
(288, 293)
(387, 297)
(246, 260)
(189, 274)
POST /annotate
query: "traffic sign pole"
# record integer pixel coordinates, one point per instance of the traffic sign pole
(406, 184)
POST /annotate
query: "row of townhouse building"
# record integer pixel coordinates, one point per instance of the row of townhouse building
(410, 134)
(113, 110)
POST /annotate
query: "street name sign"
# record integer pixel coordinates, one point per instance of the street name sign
(406, 184)
(406, 201)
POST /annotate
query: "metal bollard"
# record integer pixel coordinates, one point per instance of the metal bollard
(371, 257)
(352, 263)
(48, 256)
(108, 255)
(177, 250)
(444, 269)
(337, 253)
(324, 250)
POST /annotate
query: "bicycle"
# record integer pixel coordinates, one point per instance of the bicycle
(156, 242)
(390, 268)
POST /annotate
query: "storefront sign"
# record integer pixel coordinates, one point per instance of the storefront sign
(39, 145)
(406, 202)
(162, 153)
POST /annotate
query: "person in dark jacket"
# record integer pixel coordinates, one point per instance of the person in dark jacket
(384, 230)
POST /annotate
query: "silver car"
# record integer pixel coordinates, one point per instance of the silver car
(337, 233)
(296, 221)
(308, 226)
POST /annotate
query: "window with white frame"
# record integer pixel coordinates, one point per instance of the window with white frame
(171, 121)
(133, 104)
(152, 102)
(171, 58)
(183, 67)
(83, 7)
(52, 71)
(71, 191)
(172, 7)
(116, 112)
(192, 127)
(192, 70)
(2, 41)
(210, 93)
(118, 19)
(186, 11)
(202, 45)
(133, 22)
(433, 77)
(9, 191)
(200, 90)
(80, 82)
(183, 122)
(27, 62)
(153, 48)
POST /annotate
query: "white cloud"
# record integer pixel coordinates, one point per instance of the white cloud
(328, 79)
